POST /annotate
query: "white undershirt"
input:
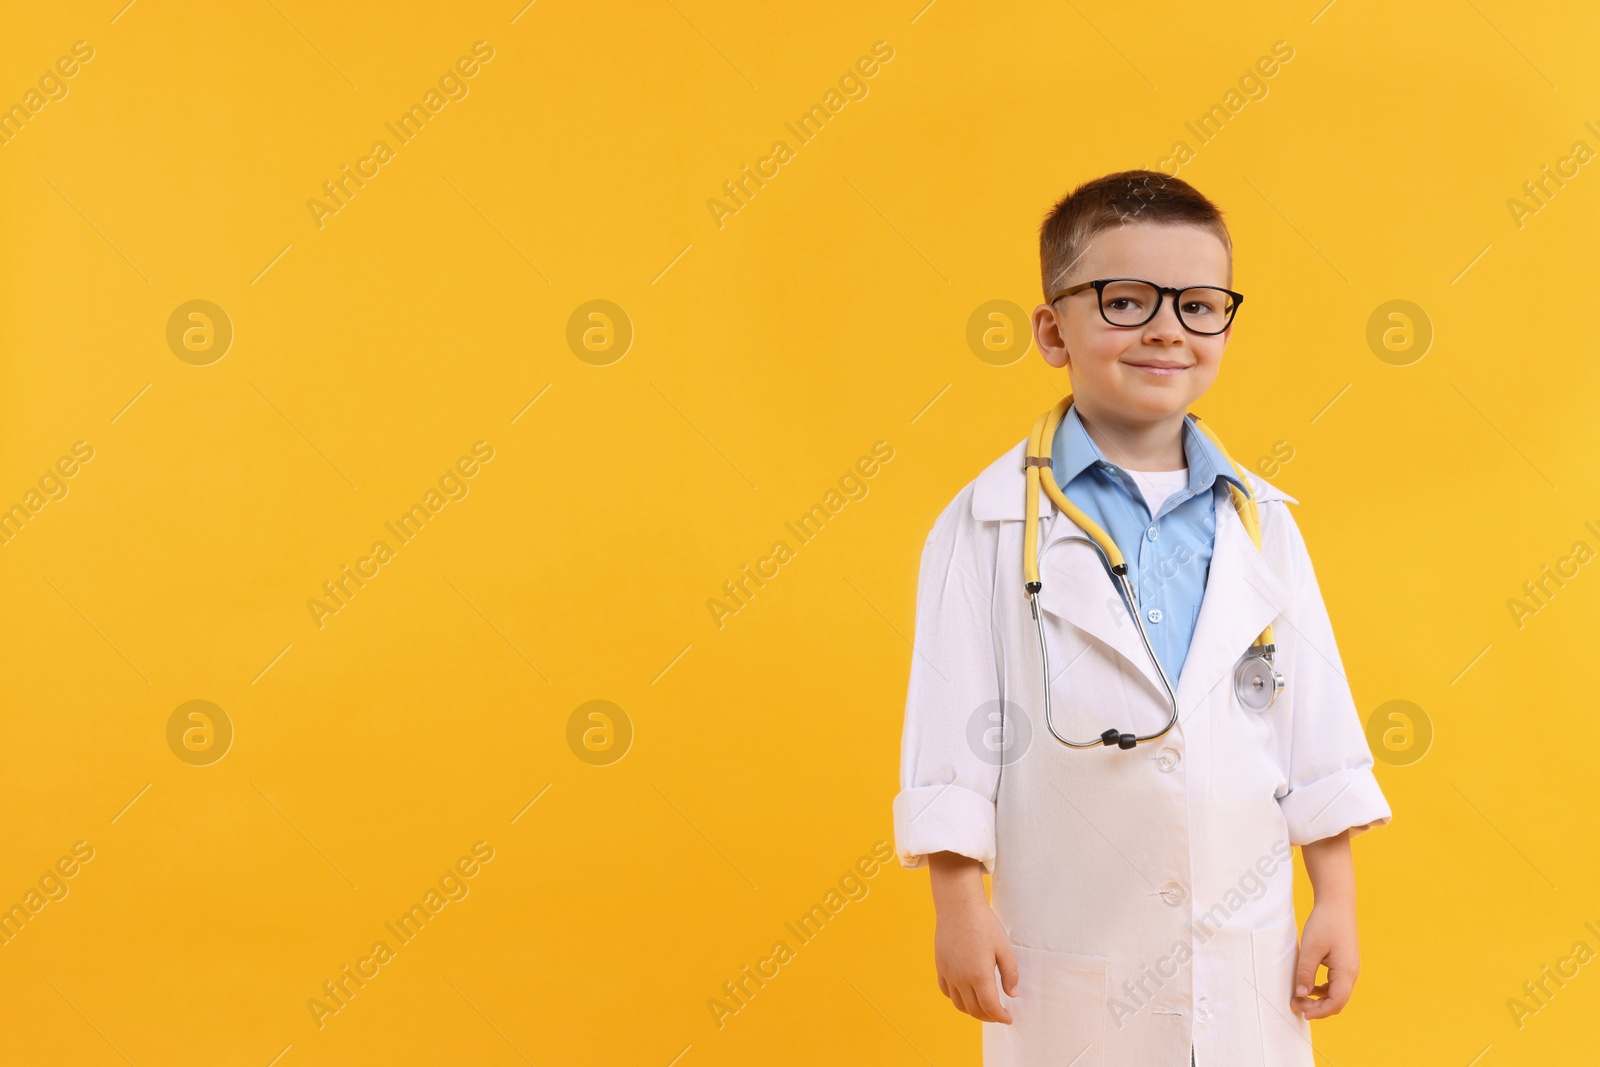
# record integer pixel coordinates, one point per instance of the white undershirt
(1158, 485)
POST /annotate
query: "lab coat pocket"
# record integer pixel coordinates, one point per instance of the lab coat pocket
(1060, 1016)
(1285, 1035)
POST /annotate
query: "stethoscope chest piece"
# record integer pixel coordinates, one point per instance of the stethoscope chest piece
(1256, 682)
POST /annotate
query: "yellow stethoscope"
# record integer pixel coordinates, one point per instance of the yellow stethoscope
(1255, 680)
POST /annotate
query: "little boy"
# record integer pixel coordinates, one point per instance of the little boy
(1143, 896)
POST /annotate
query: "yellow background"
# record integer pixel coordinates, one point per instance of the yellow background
(768, 355)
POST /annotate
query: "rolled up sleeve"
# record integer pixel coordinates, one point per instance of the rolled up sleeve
(1330, 782)
(946, 801)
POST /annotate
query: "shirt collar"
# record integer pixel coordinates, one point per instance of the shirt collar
(1073, 451)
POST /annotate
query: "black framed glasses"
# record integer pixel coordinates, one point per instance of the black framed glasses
(1202, 309)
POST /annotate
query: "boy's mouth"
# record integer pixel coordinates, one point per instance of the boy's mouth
(1162, 368)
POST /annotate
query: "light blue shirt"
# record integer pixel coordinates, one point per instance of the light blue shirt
(1168, 554)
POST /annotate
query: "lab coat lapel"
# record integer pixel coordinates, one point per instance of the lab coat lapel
(1242, 592)
(1079, 589)
(1242, 596)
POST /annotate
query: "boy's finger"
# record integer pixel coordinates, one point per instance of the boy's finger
(954, 993)
(1342, 984)
(1305, 969)
(989, 1004)
(1008, 970)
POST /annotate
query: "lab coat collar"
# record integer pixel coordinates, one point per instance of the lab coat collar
(1073, 451)
(1242, 593)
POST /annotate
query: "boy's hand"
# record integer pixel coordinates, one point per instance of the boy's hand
(968, 943)
(1329, 939)
(968, 940)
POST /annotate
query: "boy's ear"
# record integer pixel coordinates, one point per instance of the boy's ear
(1047, 336)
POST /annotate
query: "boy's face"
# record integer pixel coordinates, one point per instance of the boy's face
(1113, 367)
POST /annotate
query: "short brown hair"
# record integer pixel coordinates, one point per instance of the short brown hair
(1114, 200)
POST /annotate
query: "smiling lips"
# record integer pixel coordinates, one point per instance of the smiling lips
(1161, 367)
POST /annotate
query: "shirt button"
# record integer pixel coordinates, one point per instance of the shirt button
(1154, 615)
(1167, 759)
(1202, 1009)
(1150, 534)
(1174, 893)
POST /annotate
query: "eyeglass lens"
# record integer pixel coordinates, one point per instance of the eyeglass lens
(1201, 308)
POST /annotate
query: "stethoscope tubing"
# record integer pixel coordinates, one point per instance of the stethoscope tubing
(1132, 603)
(1262, 682)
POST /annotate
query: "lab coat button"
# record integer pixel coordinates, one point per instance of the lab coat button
(1155, 615)
(1174, 893)
(1167, 759)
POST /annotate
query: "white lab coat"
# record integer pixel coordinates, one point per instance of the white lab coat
(1148, 892)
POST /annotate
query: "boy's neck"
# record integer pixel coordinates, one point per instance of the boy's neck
(1142, 446)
